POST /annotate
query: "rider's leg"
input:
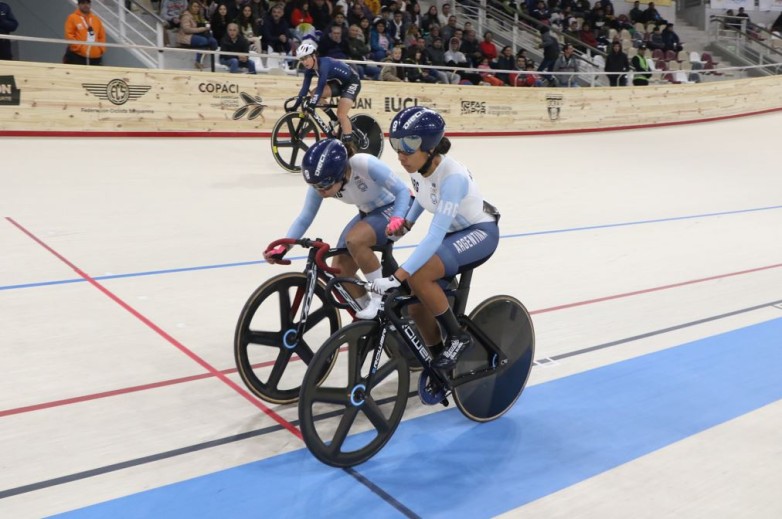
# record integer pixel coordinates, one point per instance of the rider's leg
(343, 108)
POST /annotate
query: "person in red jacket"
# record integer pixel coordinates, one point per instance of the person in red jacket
(83, 25)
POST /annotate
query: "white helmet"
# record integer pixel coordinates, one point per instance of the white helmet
(305, 49)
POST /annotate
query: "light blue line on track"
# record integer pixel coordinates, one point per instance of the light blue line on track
(397, 247)
(558, 434)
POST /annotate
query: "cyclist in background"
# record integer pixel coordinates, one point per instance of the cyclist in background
(462, 235)
(380, 196)
(335, 79)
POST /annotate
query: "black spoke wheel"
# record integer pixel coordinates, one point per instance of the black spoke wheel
(292, 136)
(343, 420)
(270, 358)
(508, 324)
(367, 134)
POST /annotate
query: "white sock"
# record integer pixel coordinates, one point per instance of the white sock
(371, 276)
(364, 300)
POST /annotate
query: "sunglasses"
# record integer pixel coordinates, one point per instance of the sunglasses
(323, 186)
(406, 145)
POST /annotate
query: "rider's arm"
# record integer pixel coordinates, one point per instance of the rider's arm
(302, 222)
(453, 190)
(382, 174)
(305, 86)
(415, 211)
(324, 67)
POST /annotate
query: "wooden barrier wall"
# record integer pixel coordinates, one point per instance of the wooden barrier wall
(42, 98)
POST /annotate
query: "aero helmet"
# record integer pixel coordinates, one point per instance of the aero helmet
(416, 128)
(305, 49)
(324, 163)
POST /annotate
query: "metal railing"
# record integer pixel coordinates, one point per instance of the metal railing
(746, 42)
(147, 29)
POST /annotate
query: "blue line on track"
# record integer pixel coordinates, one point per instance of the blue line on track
(397, 247)
(560, 433)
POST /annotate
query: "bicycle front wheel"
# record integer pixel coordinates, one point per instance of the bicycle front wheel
(292, 136)
(266, 348)
(344, 420)
(369, 137)
(508, 324)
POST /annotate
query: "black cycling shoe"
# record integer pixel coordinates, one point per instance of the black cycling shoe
(456, 345)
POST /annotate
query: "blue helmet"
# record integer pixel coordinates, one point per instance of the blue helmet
(416, 128)
(324, 163)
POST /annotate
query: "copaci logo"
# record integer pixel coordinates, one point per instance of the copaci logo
(252, 108)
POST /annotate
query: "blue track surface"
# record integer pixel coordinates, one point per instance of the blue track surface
(558, 434)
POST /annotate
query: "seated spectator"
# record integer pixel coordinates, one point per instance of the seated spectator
(541, 13)
(8, 24)
(332, 45)
(651, 15)
(218, 22)
(641, 67)
(233, 42)
(391, 72)
(359, 50)
(171, 11)
(587, 36)
(471, 48)
(193, 32)
(671, 39)
(429, 18)
(528, 78)
(275, 31)
(487, 47)
(455, 58)
(636, 14)
(436, 55)
(301, 13)
(447, 31)
(249, 27)
(420, 75)
(379, 42)
(505, 61)
(655, 39)
(487, 78)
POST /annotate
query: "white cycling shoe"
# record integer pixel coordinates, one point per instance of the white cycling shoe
(370, 311)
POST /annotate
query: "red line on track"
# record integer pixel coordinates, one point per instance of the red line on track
(214, 372)
(181, 347)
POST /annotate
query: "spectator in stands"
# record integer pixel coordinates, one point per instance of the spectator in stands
(487, 77)
(359, 50)
(505, 61)
(529, 78)
(777, 25)
(193, 32)
(219, 22)
(274, 31)
(171, 11)
(391, 72)
(550, 46)
(84, 25)
(430, 18)
(379, 41)
(567, 62)
(411, 36)
(321, 14)
(587, 36)
(731, 21)
(332, 44)
(249, 28)
(259, 8)
(617, 62)
(436, 54)
(456, 58)
(655, 40)
(487, 47)
(651, 15)
(572, 29)
(397, 28)
(636, 14)
(448, 31)
(301, 13)
(445, 14)
(641, 67)
(541, 13)
(671, 39)
(471, 48)
(366, 28)
(234, 42)
(339, 19)
(421, 75)
(8, 24)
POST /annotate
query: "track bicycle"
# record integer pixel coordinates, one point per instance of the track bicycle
(349, 413)
(297, 130)
(289, 315)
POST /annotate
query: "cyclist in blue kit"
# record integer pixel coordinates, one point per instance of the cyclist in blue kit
(380, 196)
(462, 235)
(335, 79)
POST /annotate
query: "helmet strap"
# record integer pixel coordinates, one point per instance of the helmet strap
(428, 164)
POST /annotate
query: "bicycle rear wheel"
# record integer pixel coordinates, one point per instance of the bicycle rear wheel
(369, 138)
(265, 340)
(508, 324)
(343, 421)
(292, 136)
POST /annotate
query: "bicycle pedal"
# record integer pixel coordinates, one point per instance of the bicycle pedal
(445, 402)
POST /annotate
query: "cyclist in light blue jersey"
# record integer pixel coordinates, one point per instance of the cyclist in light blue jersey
(335, 79)
(380, 196)
(463, 233)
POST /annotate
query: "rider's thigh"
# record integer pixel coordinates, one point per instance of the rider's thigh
(362, 234)
(346, 264)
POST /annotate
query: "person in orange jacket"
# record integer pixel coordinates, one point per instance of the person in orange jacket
(83, 25)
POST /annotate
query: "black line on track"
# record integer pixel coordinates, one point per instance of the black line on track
(371, 486)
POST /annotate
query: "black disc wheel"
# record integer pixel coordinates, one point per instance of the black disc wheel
(292, 136)
(367, 134)
(345, 418)
(271, 359)
(508, 324)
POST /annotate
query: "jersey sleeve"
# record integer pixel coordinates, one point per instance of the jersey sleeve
(305, 86)
(384, 176)
(452, 192)
(302, 222)
(324, 69)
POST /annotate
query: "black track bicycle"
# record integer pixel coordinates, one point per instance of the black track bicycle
(297, 130)
(350, 411)
(288, 317)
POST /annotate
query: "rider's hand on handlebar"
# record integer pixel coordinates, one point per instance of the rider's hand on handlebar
(312, 102)
(275, 255)
(296, 104)
(383, 285)
(396, 226)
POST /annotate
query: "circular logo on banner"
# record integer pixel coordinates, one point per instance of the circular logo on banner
(117, 91)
